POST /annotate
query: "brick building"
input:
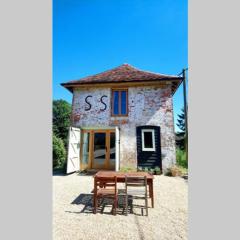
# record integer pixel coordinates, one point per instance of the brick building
(122, 117)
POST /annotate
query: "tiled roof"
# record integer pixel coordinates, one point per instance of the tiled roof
(123, 73)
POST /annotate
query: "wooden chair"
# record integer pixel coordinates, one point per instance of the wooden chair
(105, 188)
(131, 184)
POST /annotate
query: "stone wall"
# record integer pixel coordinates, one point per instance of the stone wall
(147, 106)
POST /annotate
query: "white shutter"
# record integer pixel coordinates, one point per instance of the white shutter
(117, 137)
(73, 161)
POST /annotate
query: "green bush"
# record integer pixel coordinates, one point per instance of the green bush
(175, 171)
(157, 170)
(181, 158)
(151, 171)
(127, 169)
(61, 119)
(140, 169)
(145, 169)
(59, 152)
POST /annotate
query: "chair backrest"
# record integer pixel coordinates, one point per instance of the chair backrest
(135, 181)
(101, 182)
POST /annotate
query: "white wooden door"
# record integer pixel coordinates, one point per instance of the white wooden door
(117, 144)
(73, 161)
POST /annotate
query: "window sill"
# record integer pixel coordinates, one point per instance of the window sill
(148, 150)
(118, 117)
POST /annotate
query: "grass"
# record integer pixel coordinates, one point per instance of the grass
(181, 160)
(183, 170)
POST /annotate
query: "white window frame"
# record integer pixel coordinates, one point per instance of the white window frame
(153, 140)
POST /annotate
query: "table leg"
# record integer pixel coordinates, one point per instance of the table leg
(151, 193)
(95, 198)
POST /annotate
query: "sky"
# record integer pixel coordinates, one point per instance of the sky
(91, 36)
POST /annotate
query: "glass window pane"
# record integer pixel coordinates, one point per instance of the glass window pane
(85, 153)
(99, 149)
(115, 102)
(123, 102)
(148, 143)
(112, 150)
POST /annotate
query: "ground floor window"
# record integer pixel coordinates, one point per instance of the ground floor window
(148, 140)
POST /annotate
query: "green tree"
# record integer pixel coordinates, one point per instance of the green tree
(61, 119)
(180, 136)
(59, 152)
(181, 121)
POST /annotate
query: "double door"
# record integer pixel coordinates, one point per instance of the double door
(98, 149)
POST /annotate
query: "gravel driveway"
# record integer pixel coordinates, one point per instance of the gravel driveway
(73, 218)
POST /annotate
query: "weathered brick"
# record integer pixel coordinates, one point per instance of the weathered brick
(147, 106)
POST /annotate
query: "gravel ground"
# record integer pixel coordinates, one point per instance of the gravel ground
(73, 218)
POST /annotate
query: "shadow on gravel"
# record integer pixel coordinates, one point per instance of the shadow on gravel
(58, 173)
(63, 173)
(86, 174)
(87, 201)
(185, 177)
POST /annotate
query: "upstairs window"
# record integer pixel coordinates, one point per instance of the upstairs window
(119, 102)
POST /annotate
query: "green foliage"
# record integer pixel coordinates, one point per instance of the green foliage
(180, 136)
(183, 170)
(181, 120)
(140, 169)
(61, 123)
(174, 171)
(151, 170)
(180, 140)
(181, 158)
(127, 169)
(61, 119)
(59, 152)
(145, 169)
(157, 170)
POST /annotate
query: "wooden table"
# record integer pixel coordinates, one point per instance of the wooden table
(121, 178)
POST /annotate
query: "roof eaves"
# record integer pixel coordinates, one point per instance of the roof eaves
(115, 82)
